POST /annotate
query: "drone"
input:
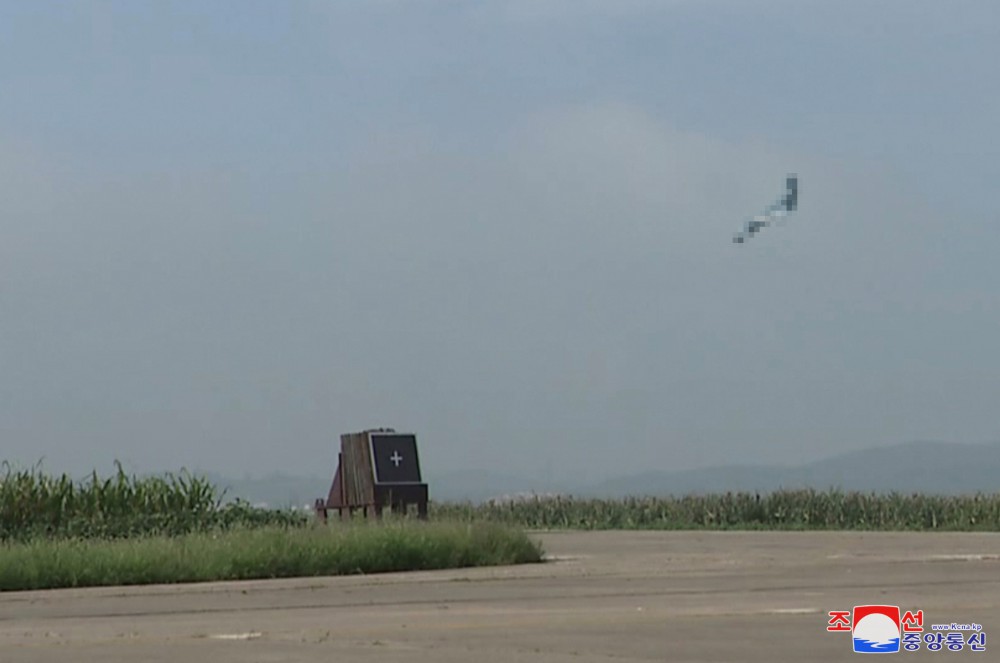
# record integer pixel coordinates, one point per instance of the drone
(789, 202)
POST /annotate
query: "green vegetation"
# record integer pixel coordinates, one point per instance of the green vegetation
(35, 505)
(55, 532)
(798, 509)
(263, 552)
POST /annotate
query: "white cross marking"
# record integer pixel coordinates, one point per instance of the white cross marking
(395, 458)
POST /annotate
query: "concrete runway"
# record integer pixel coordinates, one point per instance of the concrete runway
(605, 596)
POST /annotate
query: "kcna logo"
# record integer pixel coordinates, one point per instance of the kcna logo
(881, 629)
(876, 629)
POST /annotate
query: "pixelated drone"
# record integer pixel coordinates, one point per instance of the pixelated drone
(777, 210)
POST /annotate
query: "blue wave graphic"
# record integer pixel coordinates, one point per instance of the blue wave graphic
(876, 646)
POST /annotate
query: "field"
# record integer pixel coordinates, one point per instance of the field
(123, 530)
(781, 510)
(57, 532)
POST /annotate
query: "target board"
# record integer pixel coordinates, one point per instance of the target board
(376, 468)
(395, 458)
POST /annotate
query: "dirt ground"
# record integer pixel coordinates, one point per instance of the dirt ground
(603, 596)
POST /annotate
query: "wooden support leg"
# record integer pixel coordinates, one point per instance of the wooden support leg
(320, 508)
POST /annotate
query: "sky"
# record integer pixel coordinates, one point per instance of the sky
(232, 231)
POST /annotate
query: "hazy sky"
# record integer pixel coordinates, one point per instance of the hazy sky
(232, 231)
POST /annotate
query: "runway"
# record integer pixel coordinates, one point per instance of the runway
(602, 596)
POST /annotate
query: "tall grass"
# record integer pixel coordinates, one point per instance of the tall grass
(34, 504)
(120, 530)
(265, 552)
(789, 509)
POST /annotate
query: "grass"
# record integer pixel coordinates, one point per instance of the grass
(36, 505)
(262, 552)
(123, 530)
(780, 510)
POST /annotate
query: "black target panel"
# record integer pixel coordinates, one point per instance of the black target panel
(395, 458)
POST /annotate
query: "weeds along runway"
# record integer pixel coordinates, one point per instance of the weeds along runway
(602, 596)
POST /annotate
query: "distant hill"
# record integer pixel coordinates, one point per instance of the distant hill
(922, 467)
(704, 480)
(481, 485)
(275, 490)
